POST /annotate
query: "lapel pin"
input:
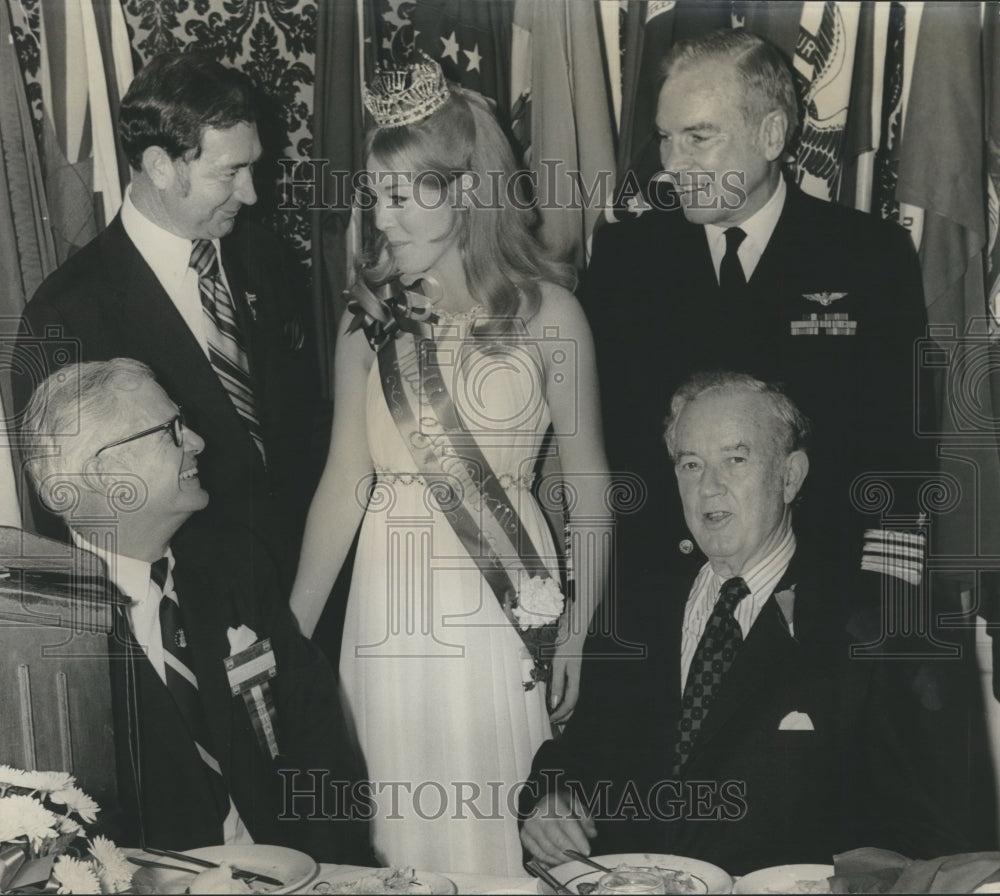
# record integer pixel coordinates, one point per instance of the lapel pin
(252, 305)
(686, 546)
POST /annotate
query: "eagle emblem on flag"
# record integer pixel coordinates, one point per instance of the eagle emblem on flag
(824, 298)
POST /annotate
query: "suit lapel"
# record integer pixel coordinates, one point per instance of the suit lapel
(158, 335)
(706, 283)
(246, 316)
(206, 620)
(155, 326)
(760, 668)
(773, 266)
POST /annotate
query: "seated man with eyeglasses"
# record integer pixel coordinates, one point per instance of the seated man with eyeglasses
(228, 723)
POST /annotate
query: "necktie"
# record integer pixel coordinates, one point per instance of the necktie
(732, 280)
(225, 350)
(181, 680)
(715, 654)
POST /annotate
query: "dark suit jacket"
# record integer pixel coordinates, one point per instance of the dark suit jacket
(881, 767)
(105, 302)
(657, 315)
(310, 798)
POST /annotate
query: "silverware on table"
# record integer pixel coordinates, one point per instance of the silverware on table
(580, 857)
(536, 870)
(146, 863)
(240, 873)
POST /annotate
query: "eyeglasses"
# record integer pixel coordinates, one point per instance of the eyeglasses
(175, 427)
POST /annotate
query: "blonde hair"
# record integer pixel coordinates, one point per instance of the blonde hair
(503, 260)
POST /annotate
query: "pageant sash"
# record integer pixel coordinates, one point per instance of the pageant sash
(468, 492)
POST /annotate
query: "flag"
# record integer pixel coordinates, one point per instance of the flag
(941, 167)
(27, 249)
(338, 142)
(824, 64)
(79, 144)
(649, 33)
(777, 22)
(860, 132)
(651, 29)
(572, 126)
(991, 54)
(471, 40)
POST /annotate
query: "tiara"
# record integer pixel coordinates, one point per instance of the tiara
(407, 95)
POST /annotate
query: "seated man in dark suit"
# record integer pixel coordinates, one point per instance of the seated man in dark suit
(748, 734)
(228, 723)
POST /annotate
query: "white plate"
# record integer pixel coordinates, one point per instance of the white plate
(440, 886)
(295, 869)
(572, 873)
(784, 879)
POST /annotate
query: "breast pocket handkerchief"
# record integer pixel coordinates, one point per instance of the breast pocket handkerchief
(796, 721)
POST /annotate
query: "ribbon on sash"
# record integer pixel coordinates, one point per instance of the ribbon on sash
(467, 490)
(386, 310)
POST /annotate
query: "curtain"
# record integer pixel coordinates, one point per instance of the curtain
(27, 247)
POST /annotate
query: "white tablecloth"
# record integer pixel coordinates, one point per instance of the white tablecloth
(465, 883)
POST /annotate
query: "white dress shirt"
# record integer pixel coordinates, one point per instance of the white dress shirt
(758, 228)
(133, 580)
(761, 579)
(169, 256)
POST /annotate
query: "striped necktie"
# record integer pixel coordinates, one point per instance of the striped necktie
(181, 680)
(712, 659)
(225, 350)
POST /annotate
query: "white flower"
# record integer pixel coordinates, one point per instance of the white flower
(42, 781)
(11, 776)
(25, 816)
(68, 826)
(539, 602)
(240, 639)
(113, 868)
(77, 801)
(75, 876)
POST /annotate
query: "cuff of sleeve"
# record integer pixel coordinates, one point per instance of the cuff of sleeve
(892, 553)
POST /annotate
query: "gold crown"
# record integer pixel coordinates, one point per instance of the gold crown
(407, 95)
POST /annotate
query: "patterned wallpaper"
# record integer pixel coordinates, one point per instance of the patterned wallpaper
(273, 41)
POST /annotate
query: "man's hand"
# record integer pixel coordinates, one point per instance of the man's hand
(557, 824)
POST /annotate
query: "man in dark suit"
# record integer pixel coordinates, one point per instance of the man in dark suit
(739, 269)
(225, 341)
(229, 727)
(747, 734)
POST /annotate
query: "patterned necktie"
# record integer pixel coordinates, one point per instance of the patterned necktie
(715, 654)
(181, 680)
(732, 280)
(225, 350)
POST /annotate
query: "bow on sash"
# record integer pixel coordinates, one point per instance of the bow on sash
(384, 311)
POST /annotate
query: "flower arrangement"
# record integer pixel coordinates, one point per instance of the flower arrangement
(41, 818)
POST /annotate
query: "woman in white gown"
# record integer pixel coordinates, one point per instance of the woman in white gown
(445, 390)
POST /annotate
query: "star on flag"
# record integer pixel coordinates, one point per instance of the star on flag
(474, 58)
(451, 48)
